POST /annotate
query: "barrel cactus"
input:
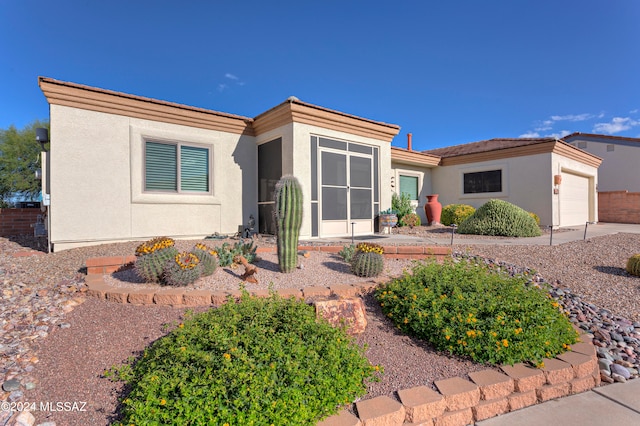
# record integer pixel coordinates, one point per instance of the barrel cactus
(207, 257)
(288, 218)
(182, 270)
(367, 264)
(633, 265)
(152, 257)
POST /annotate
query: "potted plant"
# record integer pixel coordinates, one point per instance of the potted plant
(388, 218)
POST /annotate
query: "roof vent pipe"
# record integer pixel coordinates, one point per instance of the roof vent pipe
(409, 135)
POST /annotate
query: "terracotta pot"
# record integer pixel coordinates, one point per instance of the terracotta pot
(433, 209)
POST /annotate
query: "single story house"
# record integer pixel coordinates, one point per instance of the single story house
(123, 167)
(545, 176)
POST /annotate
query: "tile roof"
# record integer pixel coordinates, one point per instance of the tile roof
(485, 146)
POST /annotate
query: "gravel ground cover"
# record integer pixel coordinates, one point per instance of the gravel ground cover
(96, 335)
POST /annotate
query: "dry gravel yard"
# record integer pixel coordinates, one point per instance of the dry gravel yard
(97, 335)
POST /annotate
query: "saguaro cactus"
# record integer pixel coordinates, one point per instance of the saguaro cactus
(288, 215)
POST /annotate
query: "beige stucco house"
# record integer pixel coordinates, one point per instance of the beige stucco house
(545, 176)
(124, 167)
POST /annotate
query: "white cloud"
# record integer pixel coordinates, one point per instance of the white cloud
(572, 117)
(222, 87)
(634, 111)
(543, 128)
(616, 125)
(559, 135)
(231, 76)
(530, 135)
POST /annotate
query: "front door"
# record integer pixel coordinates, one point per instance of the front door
(346, 193)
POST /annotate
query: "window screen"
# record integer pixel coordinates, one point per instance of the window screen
(172, 166)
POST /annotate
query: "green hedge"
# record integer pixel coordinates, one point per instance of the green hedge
(500, 218)
(456, 214)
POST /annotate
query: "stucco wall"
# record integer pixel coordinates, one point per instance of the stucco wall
(424, 184)
(562, 164)
(527, 183)
(618, 171)
(96, 181)
(301, 166)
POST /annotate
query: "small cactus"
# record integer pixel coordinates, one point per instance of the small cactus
(207, 257)
(152, 256)
(367, 264)
(288, 218)
(182, 270)
(633, 265)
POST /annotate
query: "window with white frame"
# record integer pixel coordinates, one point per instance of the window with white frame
(409, 186)
(482, 182)
(176, 167)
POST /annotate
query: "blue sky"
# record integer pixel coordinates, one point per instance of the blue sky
(449, 72)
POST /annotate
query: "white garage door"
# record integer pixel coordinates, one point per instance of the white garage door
(574, 200)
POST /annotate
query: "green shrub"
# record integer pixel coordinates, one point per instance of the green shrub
(401, 205)
(535, 217)
(465, 308)
(261, 361)
(498, 217)
(410, 220)
(456, 214)
(633, 265)
(347, 253)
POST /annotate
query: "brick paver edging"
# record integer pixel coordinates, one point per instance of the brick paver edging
(457, 402)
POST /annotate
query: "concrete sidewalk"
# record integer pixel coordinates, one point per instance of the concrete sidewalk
(562, 236)
(617, 404)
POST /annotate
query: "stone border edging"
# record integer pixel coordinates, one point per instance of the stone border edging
(457, 402)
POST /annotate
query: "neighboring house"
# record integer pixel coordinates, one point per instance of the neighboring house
(618, 177)
(124, 167)
(620, 159)
(521, 171)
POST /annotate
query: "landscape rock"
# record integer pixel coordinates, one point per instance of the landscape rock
(350, 312)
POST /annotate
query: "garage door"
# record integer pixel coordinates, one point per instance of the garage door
(574, 200)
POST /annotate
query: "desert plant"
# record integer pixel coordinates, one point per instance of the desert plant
(257, 362)
(369, 248)
(469, 309)
(152, 256)
(535, 217)
(247, 250)
(208, 259)
(499, 217)
(410, 220)
(347, 253)
(633, 265)
(288, 217)
(182, 270)
(401, 205)
(367, 263)
(455, 214)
